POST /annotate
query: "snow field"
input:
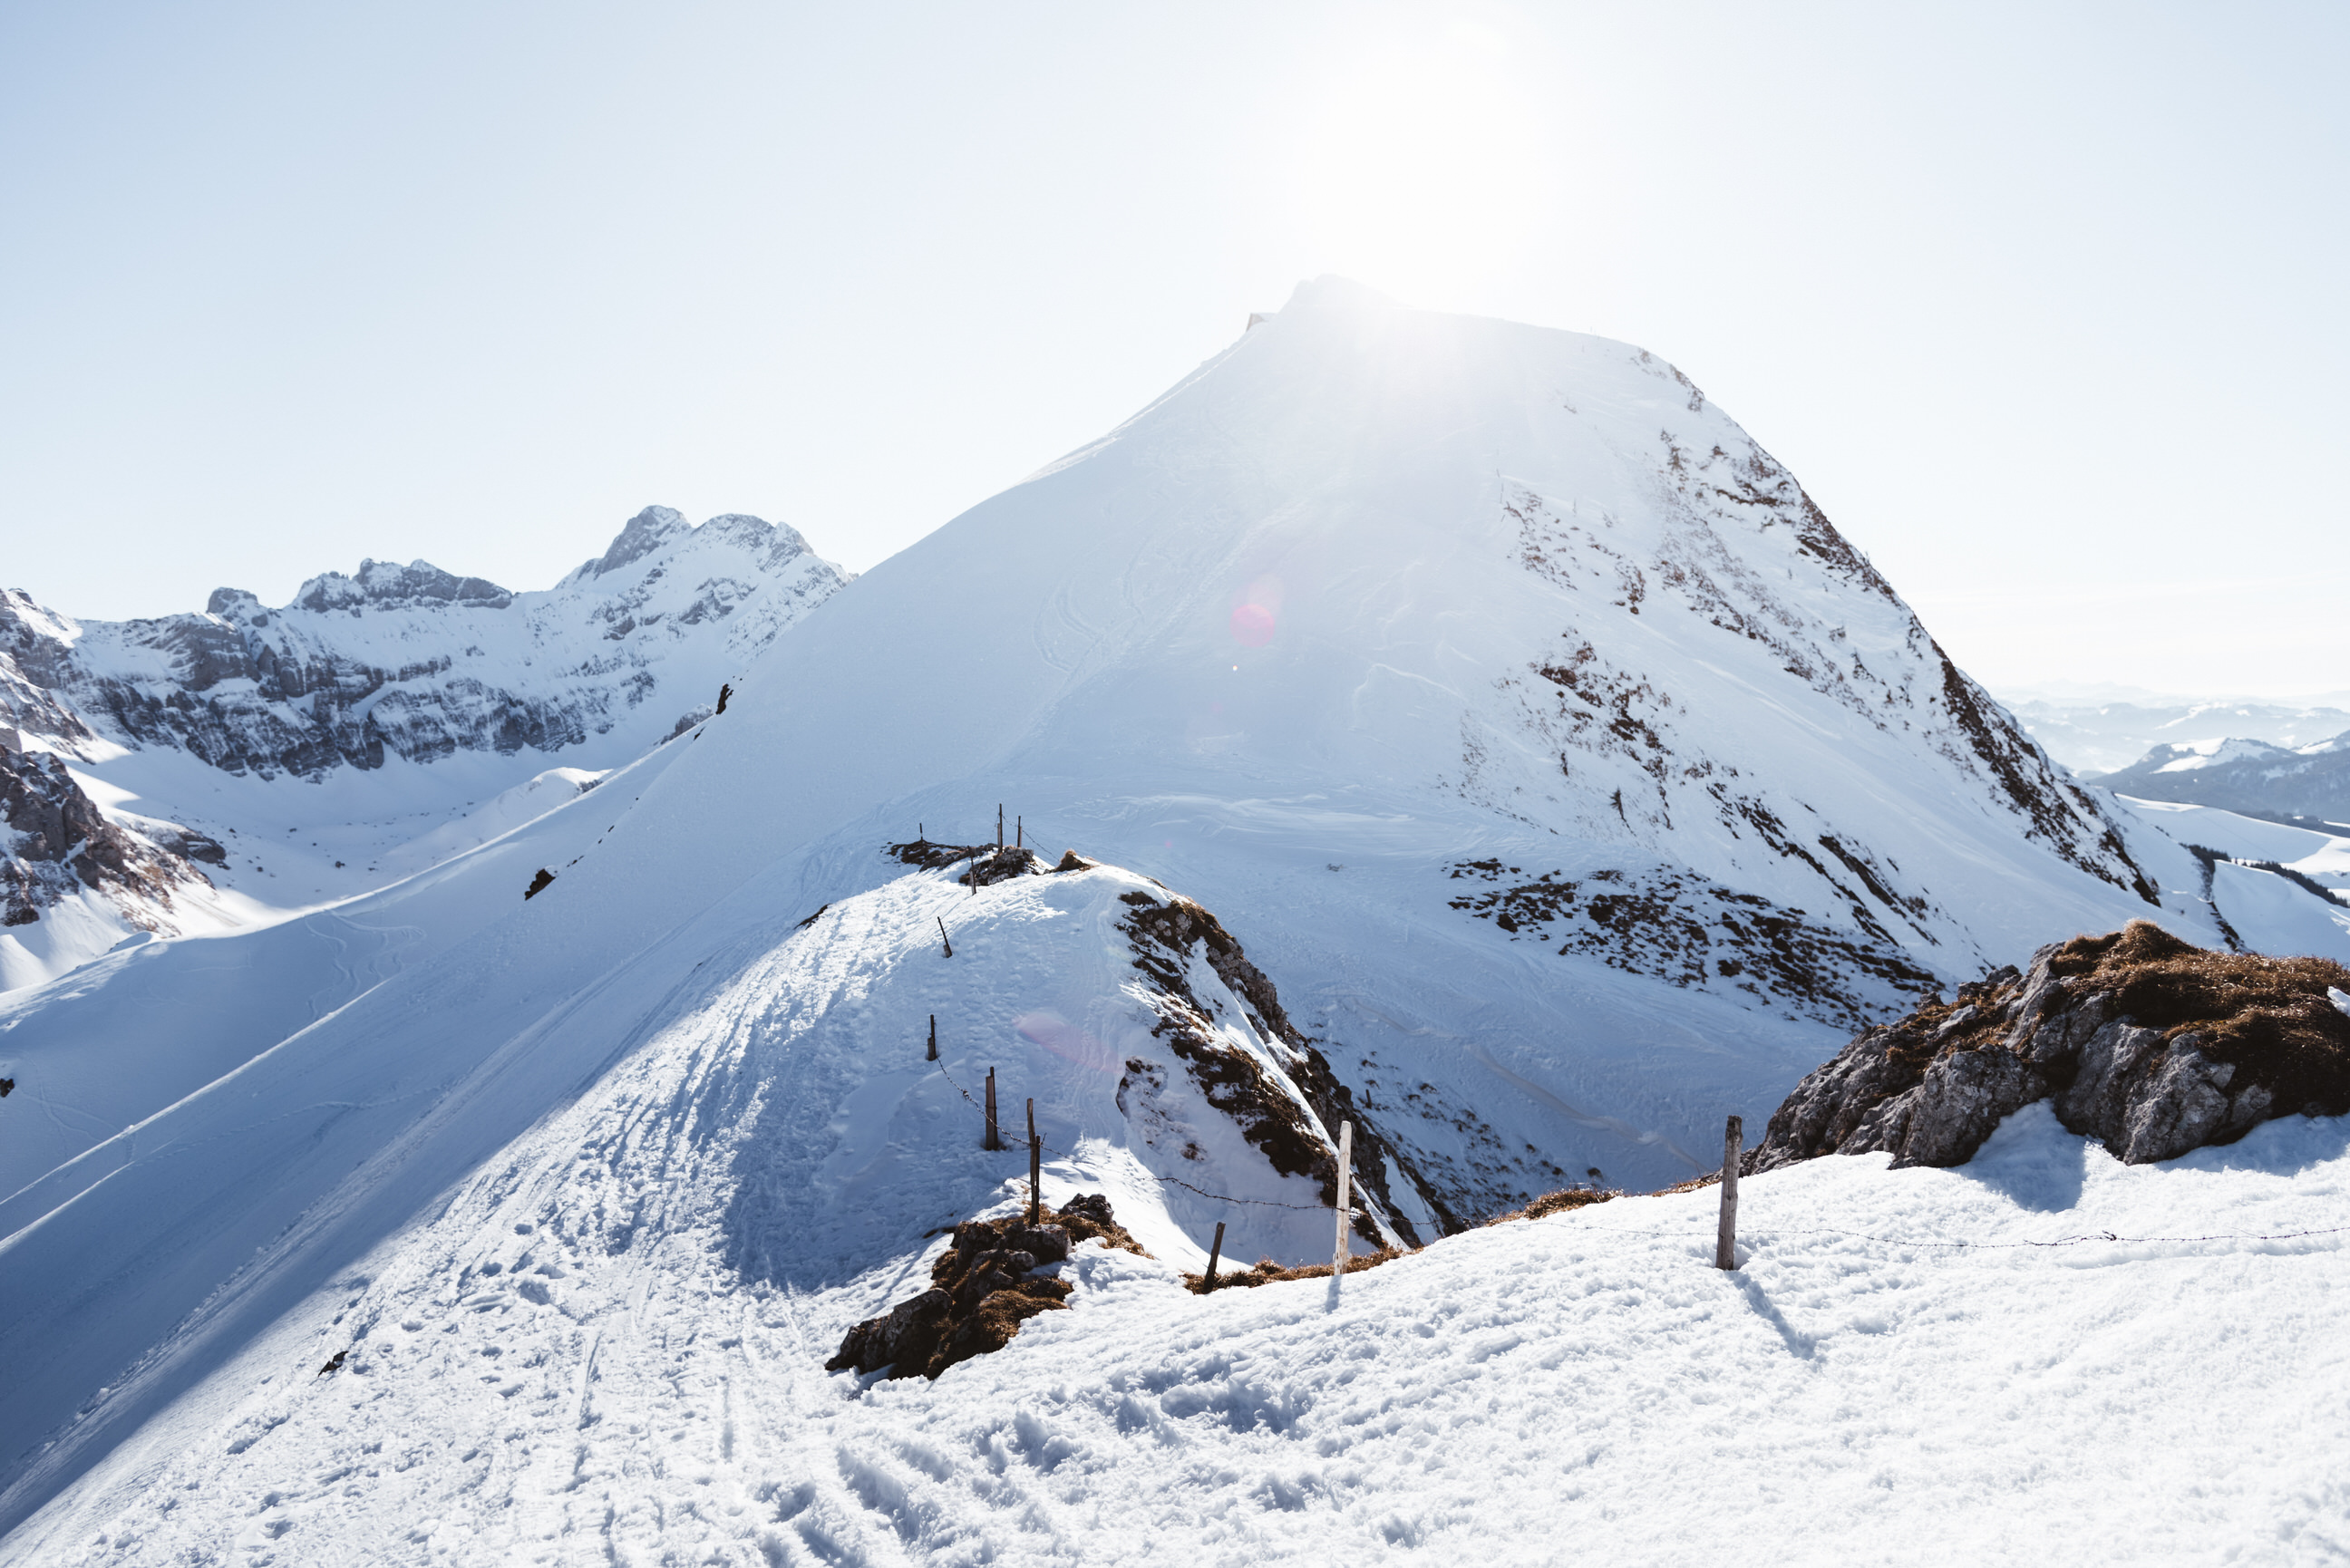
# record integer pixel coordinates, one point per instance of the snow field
(1583, 1385)
(98, 1051)
(2322, 856)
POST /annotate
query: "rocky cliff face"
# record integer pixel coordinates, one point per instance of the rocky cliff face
(2140, 1040)
(55, 842)
(416, 662)
(391, 664)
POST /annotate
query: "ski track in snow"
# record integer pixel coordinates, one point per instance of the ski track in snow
(1583, 1382)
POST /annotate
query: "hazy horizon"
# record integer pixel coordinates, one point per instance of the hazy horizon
(2038, 305)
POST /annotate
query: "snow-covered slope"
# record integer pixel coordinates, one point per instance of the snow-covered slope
(1575, 780)
(2043, 1356)
(315, 750)
(2275, 888)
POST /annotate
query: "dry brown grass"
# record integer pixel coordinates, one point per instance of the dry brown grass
(1268, 1273)
(2267, 1016)
(989, 1323)
(1557, 1203)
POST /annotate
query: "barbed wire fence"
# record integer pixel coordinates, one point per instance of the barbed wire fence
(1170, 1180)
(975, 853)
(1759, 1231)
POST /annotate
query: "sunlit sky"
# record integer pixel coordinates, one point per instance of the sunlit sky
(2043, 303)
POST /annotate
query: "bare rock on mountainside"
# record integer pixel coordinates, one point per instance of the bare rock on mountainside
(982, 1290)
(1167, 934)
(2144, 1041)
(58, 844)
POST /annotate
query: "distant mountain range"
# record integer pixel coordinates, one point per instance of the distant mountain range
(2096, 734)
(388, 703)
(2292, 783)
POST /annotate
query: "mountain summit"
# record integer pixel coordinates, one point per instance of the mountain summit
(1575, 780)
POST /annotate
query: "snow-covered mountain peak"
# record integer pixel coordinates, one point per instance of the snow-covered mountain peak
(397, 668)
(1335, 291)
(645, 533)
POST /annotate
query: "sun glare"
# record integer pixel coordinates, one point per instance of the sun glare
(1423, 165)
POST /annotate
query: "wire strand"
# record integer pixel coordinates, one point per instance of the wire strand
(1173, 1180)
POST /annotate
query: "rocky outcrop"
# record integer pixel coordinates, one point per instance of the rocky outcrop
(982, 1289)
(56, 843)
(1277, 1111)
(2148, 1044)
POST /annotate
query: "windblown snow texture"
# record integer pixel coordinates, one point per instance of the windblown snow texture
(1374, 596)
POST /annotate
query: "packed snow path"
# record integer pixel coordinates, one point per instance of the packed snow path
(1584, 1384)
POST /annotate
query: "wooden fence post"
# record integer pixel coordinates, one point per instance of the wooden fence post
(999, 827)
(942, 938)
(1725, 1248)
(1215, 1251)
(1345, 1174)
(992, 1141)
(1035, 1169)
(934, 1037)
(1019, 833)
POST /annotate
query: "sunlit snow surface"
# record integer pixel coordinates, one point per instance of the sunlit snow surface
(1585, 1385)
(1347, 613)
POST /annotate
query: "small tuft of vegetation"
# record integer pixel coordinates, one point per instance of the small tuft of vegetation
(982, 1290)
(1268, 1273)
(2270, 1016)
(1557, 1203)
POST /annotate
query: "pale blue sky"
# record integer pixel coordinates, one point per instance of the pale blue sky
(2043, 303)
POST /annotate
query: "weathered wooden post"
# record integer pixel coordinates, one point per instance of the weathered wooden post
(1215, 1251)
(1725, 1248)
(934, 1037)
(1019, 833)
(943, 938)
(1035, 1168)
(1346, 1207)
(999, 827)
(992, 1141)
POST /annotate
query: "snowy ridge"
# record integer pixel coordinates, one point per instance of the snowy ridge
(2309, 781)
(1378, 595)
(2099, 734)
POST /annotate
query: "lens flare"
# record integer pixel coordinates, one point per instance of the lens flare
(1066, 1040)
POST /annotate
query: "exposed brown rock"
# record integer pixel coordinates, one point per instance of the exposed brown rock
(2147, 1043)
(982, 1290)
(57, 843)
